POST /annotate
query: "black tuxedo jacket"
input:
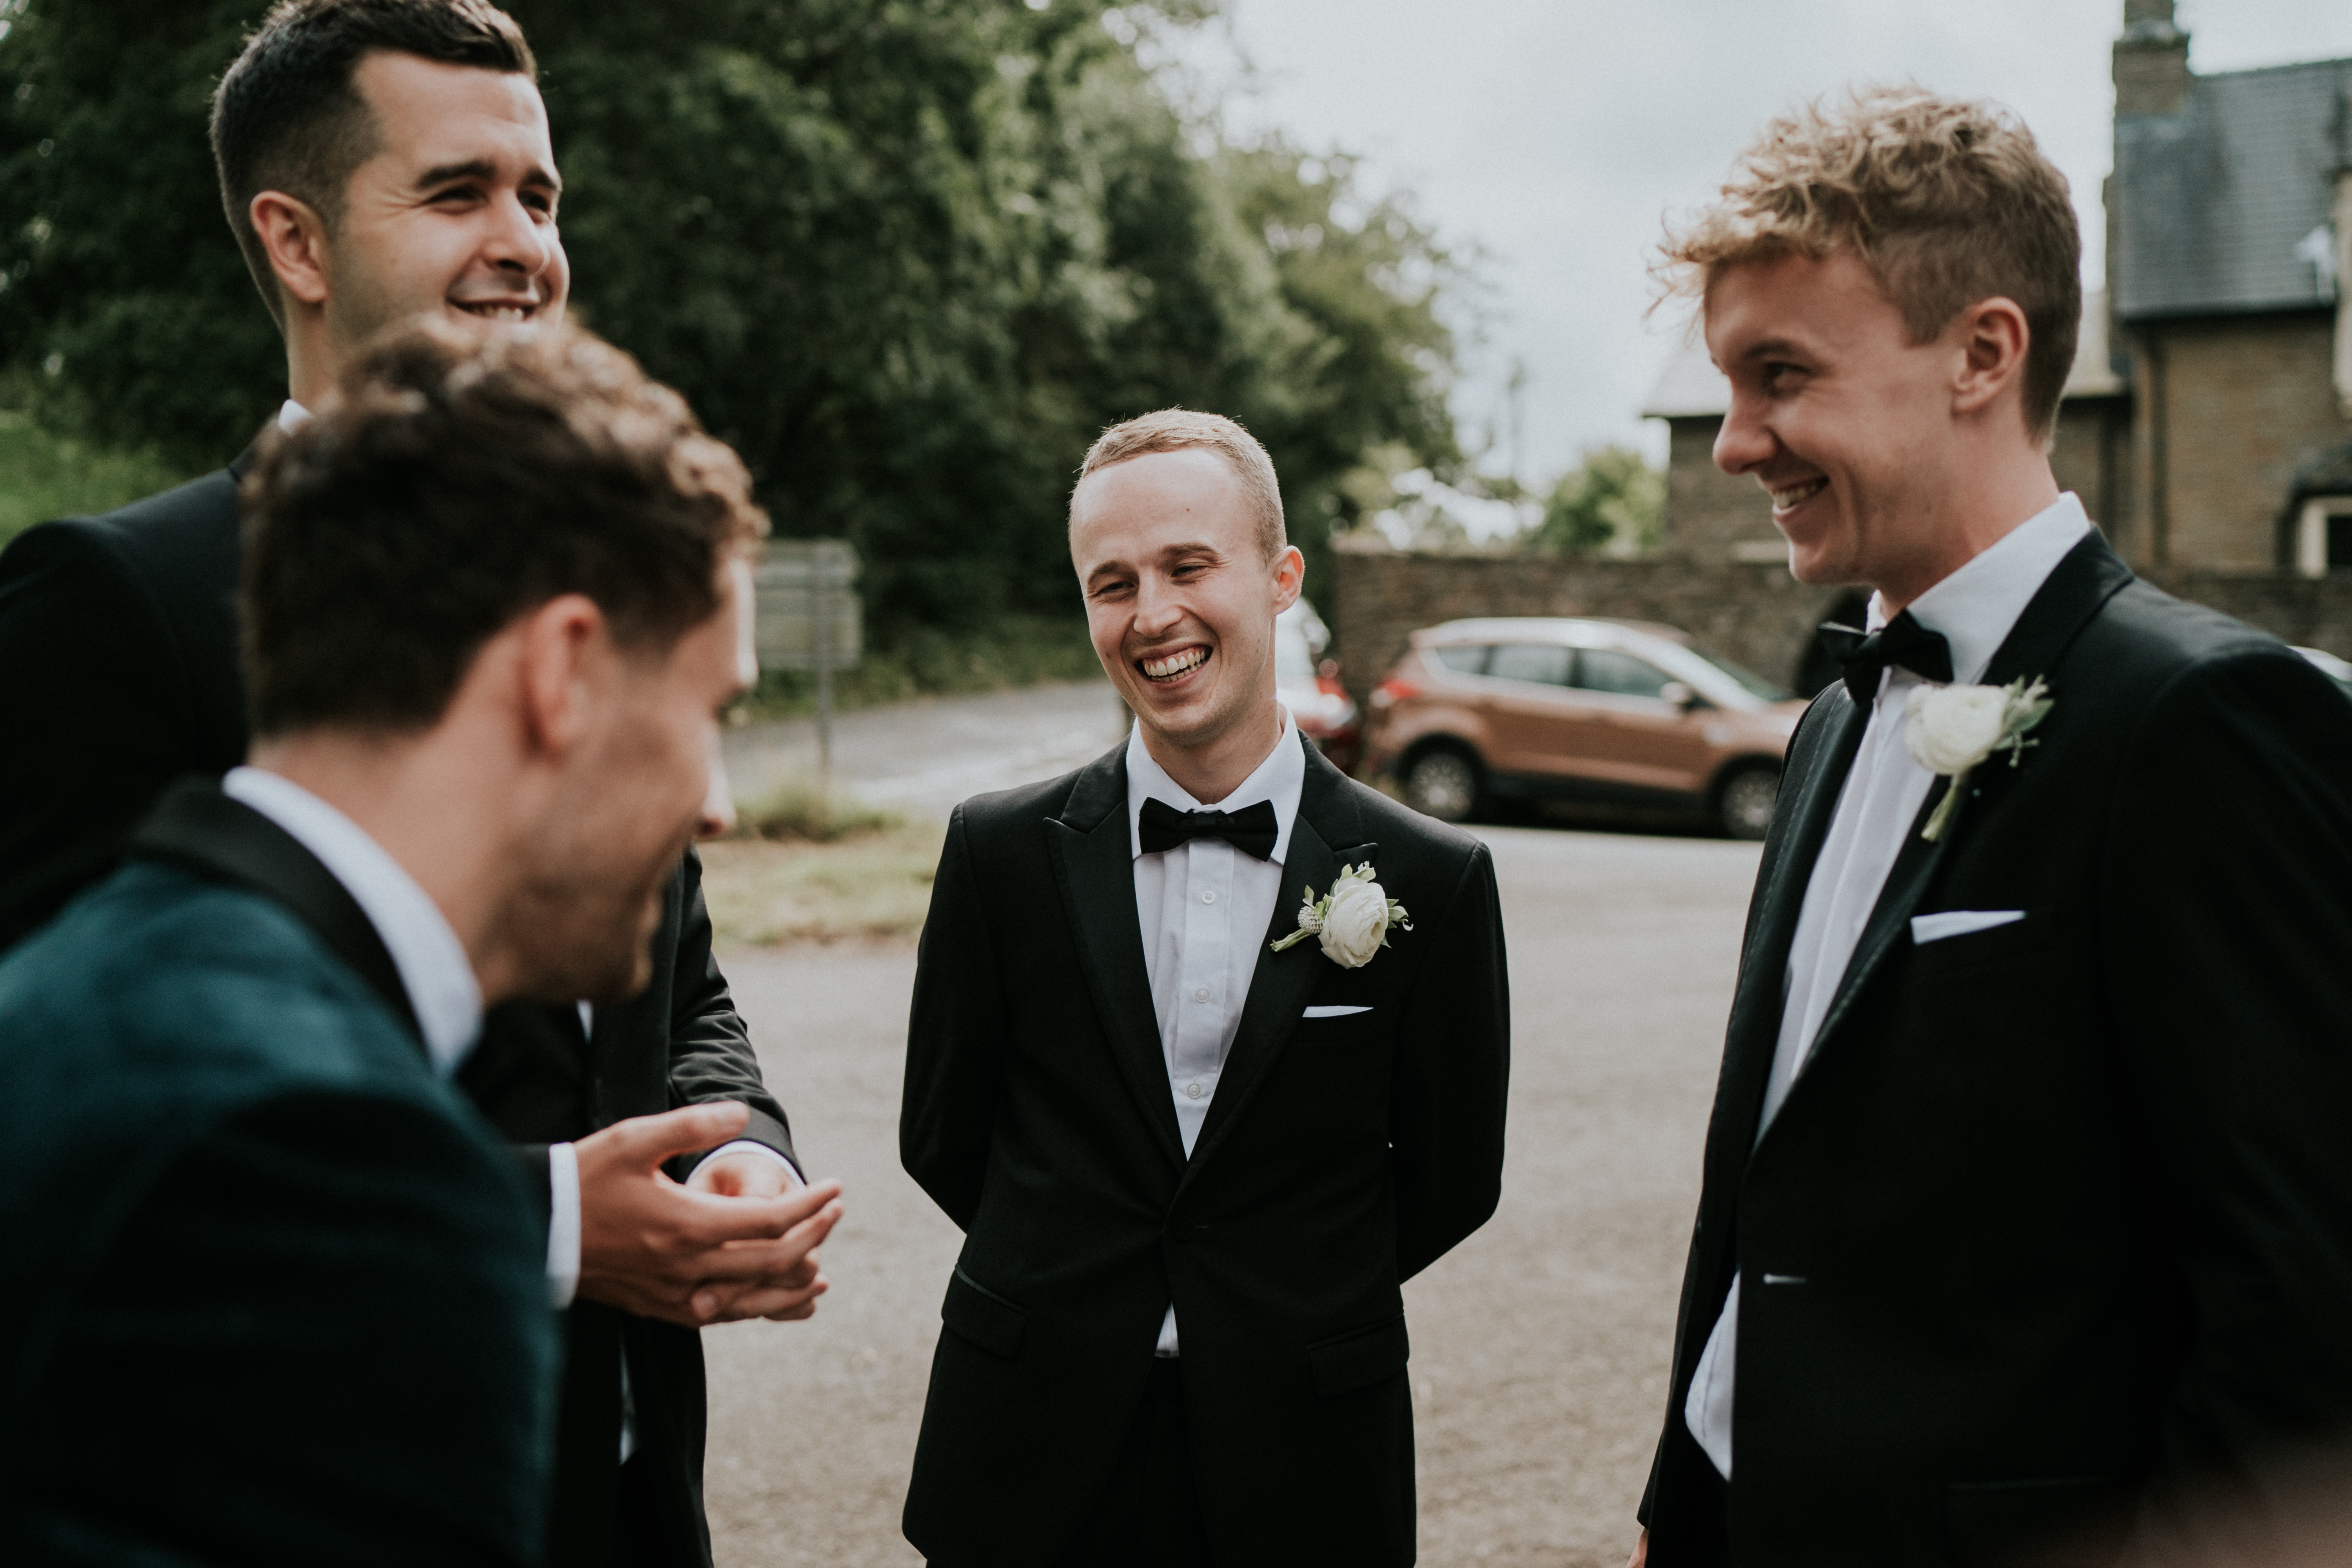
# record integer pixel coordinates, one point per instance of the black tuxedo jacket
(2057, 1215)
(274, 1294)
(119, 644)
(1339, 1157)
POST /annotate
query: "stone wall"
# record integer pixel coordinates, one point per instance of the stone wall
(1755, 613)
(2232, 408)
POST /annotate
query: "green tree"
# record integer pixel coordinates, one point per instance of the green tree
(908, 255)
(1612, 503)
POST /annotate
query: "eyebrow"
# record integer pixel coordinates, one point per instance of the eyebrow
(1770, 347)
(483, 169)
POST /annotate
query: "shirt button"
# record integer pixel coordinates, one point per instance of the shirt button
(1210, 896)
(1200, 994)
(1193, 1091)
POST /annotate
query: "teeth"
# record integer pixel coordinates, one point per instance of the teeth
(1784, 500)
(1175, 663)
(496, 312)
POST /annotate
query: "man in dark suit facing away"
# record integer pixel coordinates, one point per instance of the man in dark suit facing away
(2027, 1213)
(378, 159)
(277, 1295)
(1195, 1148)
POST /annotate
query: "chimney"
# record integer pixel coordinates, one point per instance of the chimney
(2151, 61)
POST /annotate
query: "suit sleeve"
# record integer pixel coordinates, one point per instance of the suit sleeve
(321, 1335)
(955, 1040)
(2227, 933)
(94, 709)
(1452, 1075)
(710, 1054)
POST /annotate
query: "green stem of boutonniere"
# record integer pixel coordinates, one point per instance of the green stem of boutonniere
(1947, 808)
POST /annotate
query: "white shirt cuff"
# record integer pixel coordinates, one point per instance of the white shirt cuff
(563, 1223)
(745, 1146)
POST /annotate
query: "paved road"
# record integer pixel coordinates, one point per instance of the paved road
(1539, 1345)
(922, 757)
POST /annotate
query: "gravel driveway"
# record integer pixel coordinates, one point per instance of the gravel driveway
(1539, 1345)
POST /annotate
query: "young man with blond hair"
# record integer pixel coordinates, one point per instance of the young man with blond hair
(2028, 1203)
(1194, 1148)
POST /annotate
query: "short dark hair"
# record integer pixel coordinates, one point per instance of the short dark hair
(287, 118)
(454, 483)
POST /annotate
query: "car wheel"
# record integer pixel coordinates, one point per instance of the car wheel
(1442, 783)
(1744, 800)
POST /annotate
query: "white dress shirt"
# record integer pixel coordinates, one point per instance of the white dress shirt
(1205, 907)
(431, 961)
(1974, 608)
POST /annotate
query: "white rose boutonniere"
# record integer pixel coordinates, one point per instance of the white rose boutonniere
(1351, 920)
(1952, 730)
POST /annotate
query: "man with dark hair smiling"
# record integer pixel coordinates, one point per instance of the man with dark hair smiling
(382, 160)
(276, 1294)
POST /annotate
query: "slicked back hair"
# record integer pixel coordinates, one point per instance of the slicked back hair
(287, 116)
(454, 483)
(1174, 430)
(1948, 202)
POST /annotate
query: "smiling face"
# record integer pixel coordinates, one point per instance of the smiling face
(454, 213)
(640, 785)
(1181, 598)
(1848, 425)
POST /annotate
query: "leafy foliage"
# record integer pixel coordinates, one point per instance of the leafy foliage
(908, 255)
(1614, 503)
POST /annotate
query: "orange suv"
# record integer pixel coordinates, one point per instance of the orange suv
(1483, 712)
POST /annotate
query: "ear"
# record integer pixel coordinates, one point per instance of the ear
(565, 658)
(295, 238)
(1289, 577)
(1992, 338)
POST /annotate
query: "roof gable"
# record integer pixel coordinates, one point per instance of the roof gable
(2213, 205)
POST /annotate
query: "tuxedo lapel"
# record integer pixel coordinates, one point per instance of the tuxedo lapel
(1094, 865)
(2085, 579)
(197, 827)
(1326, 834)
(1808, 800)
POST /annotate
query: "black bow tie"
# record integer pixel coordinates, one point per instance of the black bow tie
(1251, 829)
(1901, 641)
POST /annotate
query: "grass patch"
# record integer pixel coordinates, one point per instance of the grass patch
(800, 812)
(45, 475)
(1014, 650)
(869, 886)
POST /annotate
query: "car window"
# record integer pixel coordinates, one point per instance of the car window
(1470, 658)
(1606, 669)
(1544, 663)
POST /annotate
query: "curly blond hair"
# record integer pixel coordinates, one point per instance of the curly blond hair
(1172, 430)
(1947, 200)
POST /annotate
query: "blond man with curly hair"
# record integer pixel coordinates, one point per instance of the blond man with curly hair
(2027, 1206)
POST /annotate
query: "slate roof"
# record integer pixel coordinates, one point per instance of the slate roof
(2212, 203)
(1690, 387)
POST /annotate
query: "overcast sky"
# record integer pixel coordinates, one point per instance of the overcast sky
(1553, 134)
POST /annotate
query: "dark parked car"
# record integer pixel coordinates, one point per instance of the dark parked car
(1488, 710)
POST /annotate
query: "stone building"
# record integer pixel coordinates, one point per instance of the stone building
(2229, 223)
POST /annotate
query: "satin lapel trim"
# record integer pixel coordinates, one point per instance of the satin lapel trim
(2087, 578)
(1095, 872)
(1279, 985)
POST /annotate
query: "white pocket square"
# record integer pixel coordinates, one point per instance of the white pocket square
(1332, 1011)
(1925, 928)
